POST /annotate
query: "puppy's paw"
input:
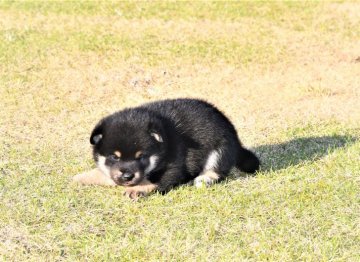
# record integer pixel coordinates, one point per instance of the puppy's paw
(206, 179)
(134, 193)
(93, 177)
(141, 190)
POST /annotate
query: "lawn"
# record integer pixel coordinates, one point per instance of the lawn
(286, 73)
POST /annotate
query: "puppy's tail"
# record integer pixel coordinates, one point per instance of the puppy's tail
(247, 161)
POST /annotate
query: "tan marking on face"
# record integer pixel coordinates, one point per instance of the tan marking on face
(138, 154)
(144, 188)
(117, 153)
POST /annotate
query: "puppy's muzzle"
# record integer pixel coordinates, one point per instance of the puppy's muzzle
(127, 176)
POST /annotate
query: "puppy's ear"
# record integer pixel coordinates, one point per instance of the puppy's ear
(97, 133)
(155, 132)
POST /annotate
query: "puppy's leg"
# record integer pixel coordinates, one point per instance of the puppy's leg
(143, 189)
(93, 177)
(174, 176)
(217, 166)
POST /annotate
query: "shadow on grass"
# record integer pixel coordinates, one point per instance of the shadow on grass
(279, 156)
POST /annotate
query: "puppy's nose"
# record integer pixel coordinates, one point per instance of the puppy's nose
(127, 176)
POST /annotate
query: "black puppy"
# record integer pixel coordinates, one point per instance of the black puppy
(161, 145)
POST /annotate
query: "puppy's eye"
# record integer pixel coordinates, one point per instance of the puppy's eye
(114, 158)
(141, 157)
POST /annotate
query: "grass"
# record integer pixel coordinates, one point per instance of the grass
(285, 73)
(161, 10)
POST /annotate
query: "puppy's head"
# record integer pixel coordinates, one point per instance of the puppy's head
(128, 148)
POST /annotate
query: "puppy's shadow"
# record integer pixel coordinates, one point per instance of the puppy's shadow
(279, 156)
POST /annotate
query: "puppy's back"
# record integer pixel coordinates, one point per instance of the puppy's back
(195, 118)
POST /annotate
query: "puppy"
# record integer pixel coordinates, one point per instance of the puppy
(160, 145)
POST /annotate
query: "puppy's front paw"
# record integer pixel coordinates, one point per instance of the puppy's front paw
(134, 193)
(141, 190)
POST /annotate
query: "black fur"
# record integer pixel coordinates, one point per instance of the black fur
(189, 130)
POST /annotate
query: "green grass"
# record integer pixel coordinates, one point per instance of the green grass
(284, 72)
(166, 10)
(152, 47)
(306, 211)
